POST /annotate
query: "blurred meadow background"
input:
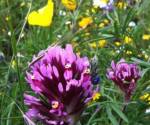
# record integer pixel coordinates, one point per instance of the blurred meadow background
(121, 32)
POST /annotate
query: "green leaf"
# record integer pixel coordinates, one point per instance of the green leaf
(92, 117)
(144, 71)
(110, 116)
(9, 109)
(143, 63)
(116, 108)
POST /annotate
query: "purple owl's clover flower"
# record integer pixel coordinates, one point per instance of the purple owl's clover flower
(62, 81)
(125, 76)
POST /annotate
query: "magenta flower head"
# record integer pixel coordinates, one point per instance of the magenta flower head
(125, 76)
(62, 84)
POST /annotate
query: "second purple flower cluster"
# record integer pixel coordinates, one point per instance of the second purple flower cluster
(125, 76)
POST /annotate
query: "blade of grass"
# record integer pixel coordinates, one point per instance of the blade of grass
(111, 116)
(119, 112)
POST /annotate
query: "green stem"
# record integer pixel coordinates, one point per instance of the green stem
(123, 110)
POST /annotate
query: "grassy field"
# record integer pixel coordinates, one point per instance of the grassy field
(120, 31)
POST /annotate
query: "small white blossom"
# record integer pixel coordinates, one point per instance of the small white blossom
(22, 35)
(59, 36)
(147, 110)
(19, 55)
(62, 13)
(9, 33)
(132, 24)
(68, 22)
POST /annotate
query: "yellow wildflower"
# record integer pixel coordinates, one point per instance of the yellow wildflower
(3, 30)
(117, 43)
(101, 25)
(146, 37)
(128, 52)
(146, 97)
(93, 10)
(146, 56)
(106, 21)
(87, 12)
(121, 5)
(87, 34)
(13, 64)
(140, 55)
(93, 45)
(99, 44)
(128, 40)
(69, 4)
(113, 52)
(96, 96)
(7, 18)
(42, 17)
(102, 43)
(105, 1)
(85, 22)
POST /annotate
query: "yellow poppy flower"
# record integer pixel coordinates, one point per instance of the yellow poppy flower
(85, 22)
(146, 37)
(69, 4)
(42, 17)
